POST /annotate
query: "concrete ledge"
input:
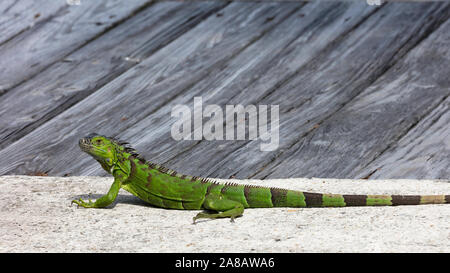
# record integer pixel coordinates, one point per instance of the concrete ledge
(36, 216)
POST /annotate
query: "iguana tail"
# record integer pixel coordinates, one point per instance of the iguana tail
(290, 198)
(230, 200)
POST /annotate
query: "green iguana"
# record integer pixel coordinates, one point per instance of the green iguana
(166, 188)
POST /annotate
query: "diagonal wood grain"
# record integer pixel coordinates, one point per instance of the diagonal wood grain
(33, 50)
(256, 70)
(333, 68)
(319, 89)
(16, 16)
(65, 83)
(422, 152)
(144, 88)
(377, 118)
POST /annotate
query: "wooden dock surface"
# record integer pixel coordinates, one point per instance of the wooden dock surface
(363, 91)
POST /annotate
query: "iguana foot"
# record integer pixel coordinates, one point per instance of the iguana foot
(226, 208)
(212, 216)
(200, 215)
(83, 203)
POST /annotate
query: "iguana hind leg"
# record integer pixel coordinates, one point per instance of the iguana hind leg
(226, 208)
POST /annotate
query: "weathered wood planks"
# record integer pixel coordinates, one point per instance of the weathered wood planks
(168, 72)
(317, 91)
(16, 16)
(34, 49)
(422, 152)
(356, 84)
(275, 56)
(81, 73)
(424, 149)
(375, 119)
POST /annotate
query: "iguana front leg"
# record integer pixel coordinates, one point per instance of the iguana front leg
(106, 199)
(226, 207)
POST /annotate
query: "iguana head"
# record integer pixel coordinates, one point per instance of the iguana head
(108, 151)
(102, 149)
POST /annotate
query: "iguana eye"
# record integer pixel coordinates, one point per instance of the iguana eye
(98, 141)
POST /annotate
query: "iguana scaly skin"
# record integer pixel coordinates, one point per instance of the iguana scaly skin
(166, 188)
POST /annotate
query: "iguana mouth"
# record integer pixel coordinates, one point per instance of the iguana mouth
(85, 144)
(87, 147)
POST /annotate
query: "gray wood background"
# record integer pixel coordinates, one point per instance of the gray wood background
(363, 91)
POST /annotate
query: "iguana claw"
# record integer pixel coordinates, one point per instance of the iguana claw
(81, 202)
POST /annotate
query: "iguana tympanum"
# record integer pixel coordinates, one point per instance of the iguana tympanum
(166, 188)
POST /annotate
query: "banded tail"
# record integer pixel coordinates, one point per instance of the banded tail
(275, 197)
